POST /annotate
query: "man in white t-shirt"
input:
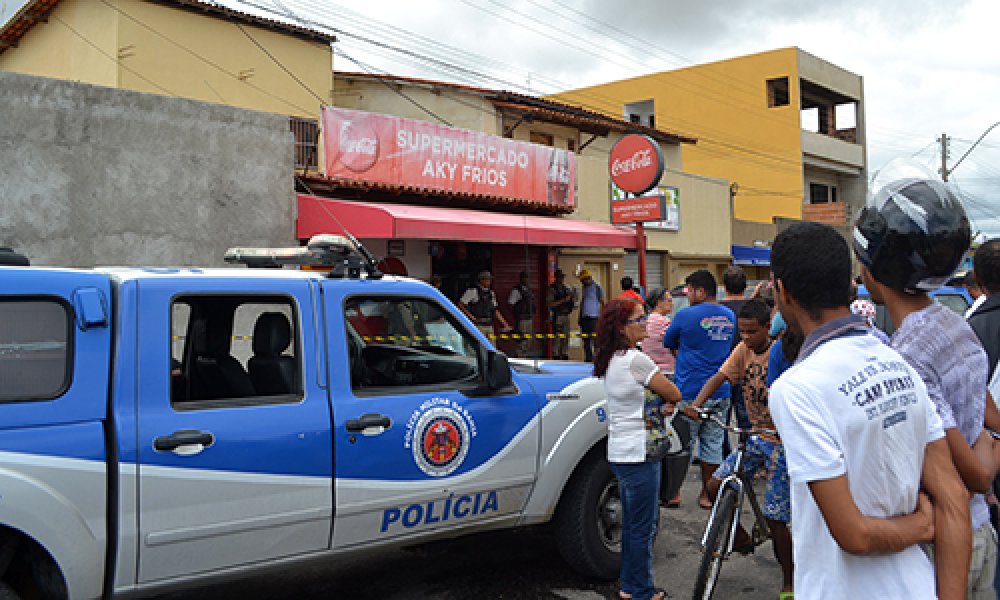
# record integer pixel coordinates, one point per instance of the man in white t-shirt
(862, 439)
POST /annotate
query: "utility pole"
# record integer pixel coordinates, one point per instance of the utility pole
(944, 150)
(944, 139)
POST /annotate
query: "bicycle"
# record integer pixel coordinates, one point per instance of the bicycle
(724, 520)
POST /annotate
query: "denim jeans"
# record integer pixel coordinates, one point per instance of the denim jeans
(639, 487)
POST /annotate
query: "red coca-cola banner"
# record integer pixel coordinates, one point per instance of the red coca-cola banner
(372, 147)
(636, 163)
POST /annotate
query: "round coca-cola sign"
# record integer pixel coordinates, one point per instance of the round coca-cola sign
(636, 164)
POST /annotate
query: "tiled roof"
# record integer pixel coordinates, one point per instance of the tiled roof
(550, 110)
(37, 11)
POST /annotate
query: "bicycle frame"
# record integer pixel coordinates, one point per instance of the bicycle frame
(738, 481)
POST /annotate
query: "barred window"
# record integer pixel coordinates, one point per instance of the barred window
(306, 132)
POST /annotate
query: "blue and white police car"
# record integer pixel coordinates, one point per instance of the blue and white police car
(163, 427)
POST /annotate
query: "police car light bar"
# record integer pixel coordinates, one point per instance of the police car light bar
(323, 249)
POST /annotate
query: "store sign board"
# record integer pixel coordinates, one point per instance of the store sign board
(636, 163)
(671, 206)
(377, 148)
(638, 210)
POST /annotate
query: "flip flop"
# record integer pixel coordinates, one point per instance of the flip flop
(786, 596)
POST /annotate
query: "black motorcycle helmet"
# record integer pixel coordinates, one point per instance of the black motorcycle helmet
(912, 234)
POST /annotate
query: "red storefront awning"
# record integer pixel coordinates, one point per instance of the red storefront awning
(383, 220)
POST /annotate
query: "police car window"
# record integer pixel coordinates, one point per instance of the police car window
(34, 350)
(404, 342)
(234, 351)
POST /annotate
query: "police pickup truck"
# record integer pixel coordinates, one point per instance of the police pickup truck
(163, 427)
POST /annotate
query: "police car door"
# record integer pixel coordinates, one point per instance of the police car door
(417, 450)
(234, 461)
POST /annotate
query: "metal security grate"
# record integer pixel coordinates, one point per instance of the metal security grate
(306, 132)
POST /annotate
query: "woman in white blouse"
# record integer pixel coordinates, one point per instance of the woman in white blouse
(627, 372)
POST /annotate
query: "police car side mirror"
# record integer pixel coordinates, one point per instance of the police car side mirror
(497, 374)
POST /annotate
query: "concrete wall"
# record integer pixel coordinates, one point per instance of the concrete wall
(101, 176)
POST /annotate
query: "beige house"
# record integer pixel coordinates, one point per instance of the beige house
(182, 48)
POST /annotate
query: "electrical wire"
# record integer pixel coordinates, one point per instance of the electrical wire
(114, 59)
(303, 111)
(322, 101)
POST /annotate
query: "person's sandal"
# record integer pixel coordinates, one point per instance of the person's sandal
(786, 596)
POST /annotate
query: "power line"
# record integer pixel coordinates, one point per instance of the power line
(201, 58)
(114, 59)
(793, 163)
(322, 101)
(396, 90)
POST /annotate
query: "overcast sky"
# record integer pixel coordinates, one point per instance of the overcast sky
(928, 66)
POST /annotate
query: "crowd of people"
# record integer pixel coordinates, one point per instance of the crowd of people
(878, 478)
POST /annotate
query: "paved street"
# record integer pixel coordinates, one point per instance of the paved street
(522, 565)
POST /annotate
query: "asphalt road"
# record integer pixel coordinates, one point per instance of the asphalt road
(509, 565)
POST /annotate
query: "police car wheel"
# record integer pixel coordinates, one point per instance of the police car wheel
(589, 518)
(6, 593)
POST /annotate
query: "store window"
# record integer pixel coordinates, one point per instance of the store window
(35, 357)
(234, 351)
(407, 343)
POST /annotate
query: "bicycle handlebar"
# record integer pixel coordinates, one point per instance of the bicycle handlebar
(709, 415)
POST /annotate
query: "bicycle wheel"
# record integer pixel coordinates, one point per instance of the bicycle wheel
(719, 530)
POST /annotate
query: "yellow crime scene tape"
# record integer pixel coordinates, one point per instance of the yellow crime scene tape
(447, 338)
(492, 336)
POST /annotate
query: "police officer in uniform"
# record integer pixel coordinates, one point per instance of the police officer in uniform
(479, 303)
(560, 299)
(522, 300)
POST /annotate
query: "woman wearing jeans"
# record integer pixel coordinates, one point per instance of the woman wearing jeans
(627, 372)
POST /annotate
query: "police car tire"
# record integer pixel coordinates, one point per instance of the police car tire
(7, 593)
(577, 531)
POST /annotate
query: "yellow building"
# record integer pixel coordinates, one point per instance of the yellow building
(785, 127)
(183, 48)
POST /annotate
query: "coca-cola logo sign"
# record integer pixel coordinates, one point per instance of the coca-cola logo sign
(636, 164)
(358, 145)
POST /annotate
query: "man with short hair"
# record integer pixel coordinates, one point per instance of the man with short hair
(561, 300)
(522, 302)
(976, 292)
(985, 320)
(734, 281)
(479, 303)
(701, 336)
(591, 305)
(861, 438)
(629, 290)
(899, 265)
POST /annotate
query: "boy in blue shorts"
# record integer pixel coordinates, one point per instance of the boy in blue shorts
(747, 365)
